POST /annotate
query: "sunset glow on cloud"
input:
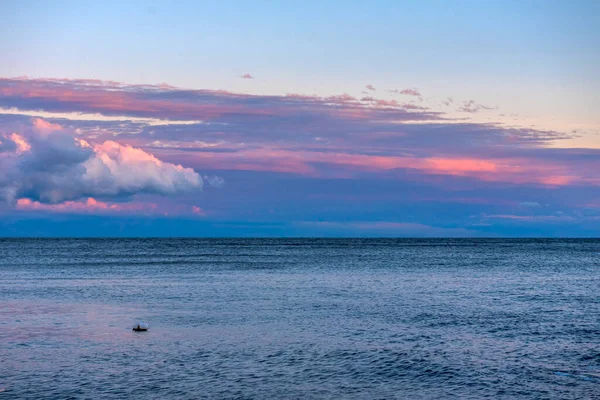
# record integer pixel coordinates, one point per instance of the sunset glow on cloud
(50, 165)
(89, 205)
(73, 166)
(421, 142)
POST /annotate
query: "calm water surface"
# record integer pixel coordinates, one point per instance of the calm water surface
(287, 319)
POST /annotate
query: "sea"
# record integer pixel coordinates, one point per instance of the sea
(300, 318)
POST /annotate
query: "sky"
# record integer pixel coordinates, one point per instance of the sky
(300, 118)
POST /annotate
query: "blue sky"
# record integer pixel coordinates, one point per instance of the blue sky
(384, 118)
(193, 43)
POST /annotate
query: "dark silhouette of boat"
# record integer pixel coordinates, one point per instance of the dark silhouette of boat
(140, 327)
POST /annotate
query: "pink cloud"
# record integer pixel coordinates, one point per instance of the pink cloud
(298, 96)
(559, 180)
(341, 98)
(391, 104)
(296, 134)
(512, 170)
(90, 205)
(386, 103)
(21, 142)
(253, 160)
(93, 206)
(246, 76)
(461, 166)
(407, 92)
(371, 88)
(44, 126)
(162, 102)
(197, 210)
(111, 102)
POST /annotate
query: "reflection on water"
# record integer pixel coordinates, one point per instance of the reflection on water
(300, 318)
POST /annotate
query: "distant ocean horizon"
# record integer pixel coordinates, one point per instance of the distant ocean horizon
(315, 237)
(289, 318)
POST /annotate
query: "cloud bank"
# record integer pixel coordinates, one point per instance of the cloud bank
(106, 147)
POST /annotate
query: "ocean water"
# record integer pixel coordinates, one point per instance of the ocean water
(300, 319)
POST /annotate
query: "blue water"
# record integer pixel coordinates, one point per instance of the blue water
(300, 319)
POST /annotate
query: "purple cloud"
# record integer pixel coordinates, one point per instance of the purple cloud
(411, 92)
(407, 92)
(246, 76)
(320, 138)
(178, 104)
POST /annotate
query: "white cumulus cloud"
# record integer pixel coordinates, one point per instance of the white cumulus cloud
(53, 166)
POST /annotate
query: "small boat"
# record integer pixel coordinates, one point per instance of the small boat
(140, 327)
